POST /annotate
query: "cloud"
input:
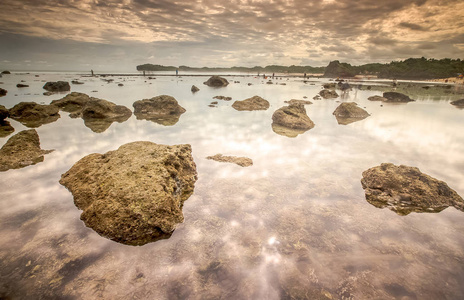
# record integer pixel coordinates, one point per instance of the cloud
(412, 26)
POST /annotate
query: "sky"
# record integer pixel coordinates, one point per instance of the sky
(119, 35)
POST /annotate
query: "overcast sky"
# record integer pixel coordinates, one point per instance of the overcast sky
(118, 35)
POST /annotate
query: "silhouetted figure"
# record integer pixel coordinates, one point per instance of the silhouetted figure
(304, 75)
(144, 73)
(91, 71)
(177, 72)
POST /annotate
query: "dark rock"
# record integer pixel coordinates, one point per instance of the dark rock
(328, 94)
(76, 82)
(396, 97)
(317, 97)
(405, 189)
(194, 89)
(21, 150)
(295, 101)
(241, 161)
(47, 93)
(5, 129)
(34, 115)
(133, 195)
(57, 86)
(120, 84)
(223, 98)
(291, 120)
(3, 113)
(73, 102)
(253, 103)
(20, 85)
(6, 72)
(329, 85)
(216, 81)
(163, 109)
(377, 98)
(3, 92)
(214, 102)
(458, 103)
(349, 112)
(269, 82)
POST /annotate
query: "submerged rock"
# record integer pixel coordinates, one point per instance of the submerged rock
(76, 82)
(57, 86)
(377, 98)
(6, 72)
(216, 81)
(458, 103)
(133, 195)
(34, 115)
(21, 85)
(330, 85)
(3, 92)
(3, 113)
(349, 112)
(253, 103)
(163, 109)
(295, 101)
(5, 128)
(396, 97)
(241, 161)
(21, 150)
(194, 89)
(291, 120)
(73, 102)
(223, 98)
(405, 189)
(328, 94)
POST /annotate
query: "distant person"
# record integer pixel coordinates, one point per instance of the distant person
(144, 73)
(272, 75)
(177, 72)
(264, 76)
(304, 75)
(91, 71)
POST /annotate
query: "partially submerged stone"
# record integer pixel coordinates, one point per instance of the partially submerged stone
(57, 86)
(34, 115)
(377, 98)
(3, 113)
(194, 89)
(21, 150)
(328, 94)
(3, 92)
(216, 81)
(223, 98)
(396, 97)
(73, 102)
(291, 120)
(253, 103)
(349, 112)
(5, 129)
(21, 85)
(133, 195)
(241, 161)
(295, 101)
(458, 103)
(405, 189)
(163, 109)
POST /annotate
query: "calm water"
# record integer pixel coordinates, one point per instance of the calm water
(294, 225)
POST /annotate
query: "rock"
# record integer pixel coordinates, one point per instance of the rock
(291, 120)
(269, 82)
(349, 112)
(216, 81)
(214, 102)
(253, 103)
(405, 189)
(161, 109)
(34, 115)
(328, 94)
(329, 85)
(396, 97)
(194, 89)
(133, 195)
(241, 161)
(295, 101)
(3, 92)
(377, 98)
(345, 87)
(223, 98)
(317, 97)
(3, 113)
(249, 83)
(6, 72)
(76, 82)
(458, 103)
(73, 102)
(20, 85)
(47, 93)
(57, 86)
(5, 128)
(21, 150)
(120, 84)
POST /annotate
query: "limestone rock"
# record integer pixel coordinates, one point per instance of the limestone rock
(349, 112)
(328, 94)
(21, 150)
(295, 101)
(458, 103)
(3, 92)
(133, 195)
(405, 189)
(396, 97)
(241, 161)
(291, 120)
(377, 98)
(163, 109)
(216, 81)
(57, 86)
(34, 115)
(253, 103)
(194, 89)
(3, 113)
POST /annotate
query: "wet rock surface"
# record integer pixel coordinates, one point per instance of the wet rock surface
(458, 103)
(3, 92)
(291, 120)
(377, 98)
(328, 94)
(163, 109)
(73, 102)
(241, 161)
(405, 189)
(34, 115)
(216, 81)
(22, 150)
(57, 86)
(253, 103)
(295, 101)
(349, 112)
(396, 97)
(133, 195)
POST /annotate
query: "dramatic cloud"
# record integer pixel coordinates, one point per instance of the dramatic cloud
(79, 33)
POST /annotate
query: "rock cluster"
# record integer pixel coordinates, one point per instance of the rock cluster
(241, 161)
(57, 86)
(216, 81)
(291, 120)
(349, 112)
(163, 109)
(34, 115)
(133, 195)
(396, 97)
(328, 94)
(253, 103)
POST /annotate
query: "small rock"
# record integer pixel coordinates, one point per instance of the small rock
(57, 86)
(458, 103)
(20, 85)
(291, 120)
(223, 98)
(396, 97)
(194, 89)
(241, 161)
(377, 98)
(349, 112)
(120, 84)
(214, 102)
(3, 92)
(3, 113)
(6, 72)
(163, 109)
(295, 101)
(76, 82)
(253, 103)
(328, 94)
(216, 81)
(34, 115)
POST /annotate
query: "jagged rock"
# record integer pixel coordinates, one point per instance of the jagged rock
(3, 92)
(349, 112)
(133, 195)
(21, 150)
(295, 101)
(291, 120)
(405, 189)
(241, 161)
(216, 81)
(57, 86)
(6, 72)
(253, 103)
(223, 98)
(328, 94)
(396, 97)
(76, 82)
(163, 109)
(34, 115)
(20, 85)
(458, 103)
(194, 89)
(377, 98)
(5, 128)
(3, 113)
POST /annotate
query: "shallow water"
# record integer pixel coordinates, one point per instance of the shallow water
(294, 225)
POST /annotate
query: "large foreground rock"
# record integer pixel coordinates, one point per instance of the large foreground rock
(396, 97)
(241, 161)
(253, 103)
(328, 94)
(405, 189)
(216, 81)
(458, 103)
(133, 195)
(163, 109)
(34, 115)
(291, 120)
(21, 150)
(57, 86)
(349, 112)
